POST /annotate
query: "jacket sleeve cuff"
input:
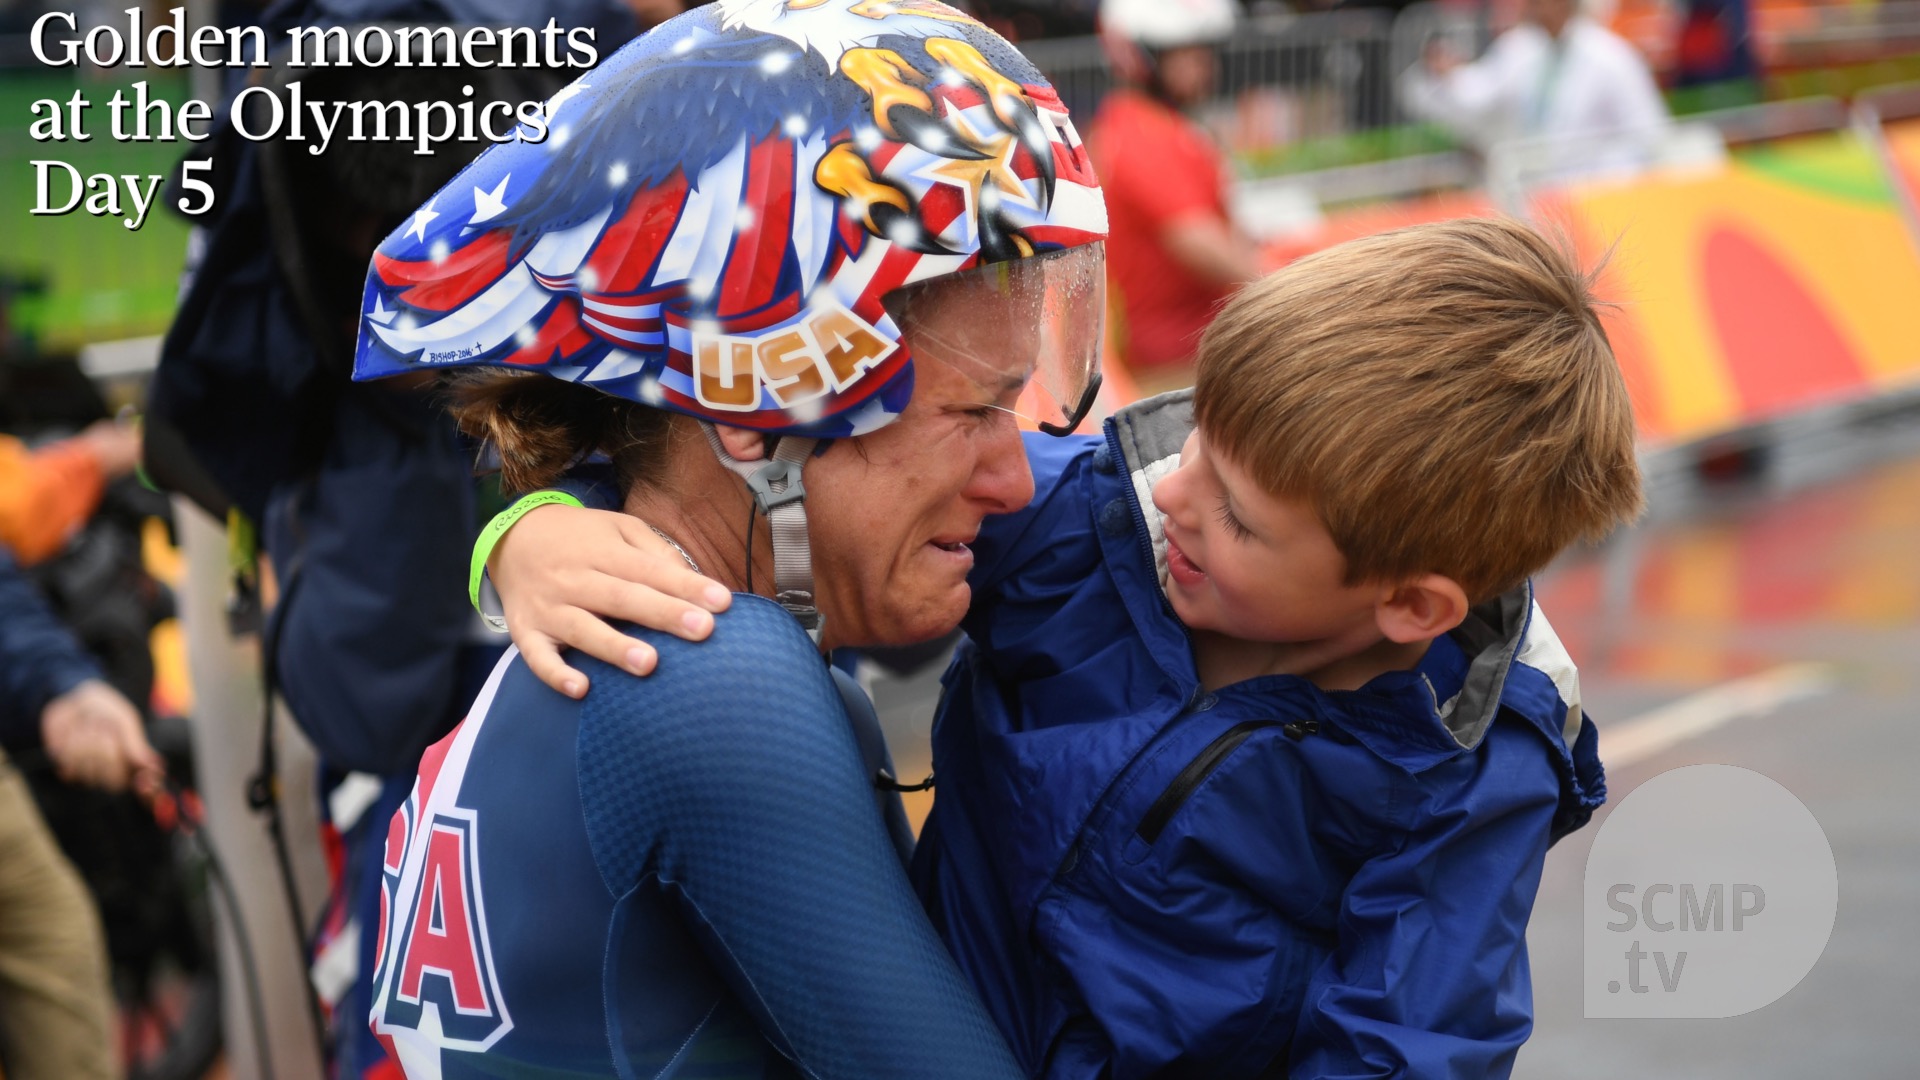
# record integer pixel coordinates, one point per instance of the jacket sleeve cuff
(20, 720)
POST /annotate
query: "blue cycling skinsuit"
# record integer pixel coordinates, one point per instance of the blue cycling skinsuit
(679, 876)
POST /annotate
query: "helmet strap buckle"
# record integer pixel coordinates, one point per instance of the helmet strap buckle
(778, 492)
(778, 471)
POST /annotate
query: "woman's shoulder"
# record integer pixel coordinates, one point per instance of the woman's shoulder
(723, 730)
(755, 629)
(757, 657)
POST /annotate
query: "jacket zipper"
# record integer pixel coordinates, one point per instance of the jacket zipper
(1209, 759)
(1190, 778)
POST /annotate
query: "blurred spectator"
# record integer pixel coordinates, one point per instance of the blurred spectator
(1173, 253)
(55, 1003)
(53, 694)
(1558, 73)
(47, 494)
(1716, 44)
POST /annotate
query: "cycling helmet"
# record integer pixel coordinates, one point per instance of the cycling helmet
(1133, 32)
(730, 218)
(718, 214)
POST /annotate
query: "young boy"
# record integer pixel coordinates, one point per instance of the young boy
(1254, 775)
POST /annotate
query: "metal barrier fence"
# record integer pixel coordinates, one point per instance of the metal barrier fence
(1309, 96)
(1290, 81)
(1284, 79)
(1467, 31)
(1292, 88)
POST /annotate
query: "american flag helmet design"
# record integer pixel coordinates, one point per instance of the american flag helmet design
(719, 209)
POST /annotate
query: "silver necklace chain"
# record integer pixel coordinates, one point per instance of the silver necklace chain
(695, 567)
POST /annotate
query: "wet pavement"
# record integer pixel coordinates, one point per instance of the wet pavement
(1723, 588)
(1736, 589)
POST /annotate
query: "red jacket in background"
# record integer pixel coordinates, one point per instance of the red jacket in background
(1155, 167)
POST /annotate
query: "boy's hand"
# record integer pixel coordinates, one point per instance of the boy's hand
(561, 571)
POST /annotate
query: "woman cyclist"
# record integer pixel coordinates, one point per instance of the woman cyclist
(788, 274)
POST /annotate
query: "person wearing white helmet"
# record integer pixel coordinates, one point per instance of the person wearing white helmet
(1174, 253)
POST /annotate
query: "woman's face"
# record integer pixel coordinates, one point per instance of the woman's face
(892, 514)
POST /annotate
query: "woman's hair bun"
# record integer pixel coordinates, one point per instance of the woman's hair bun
(540, 426)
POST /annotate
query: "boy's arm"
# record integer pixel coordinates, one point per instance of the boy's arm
(562, 572)
(1429, 974)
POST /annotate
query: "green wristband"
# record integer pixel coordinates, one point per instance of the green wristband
(497, 528)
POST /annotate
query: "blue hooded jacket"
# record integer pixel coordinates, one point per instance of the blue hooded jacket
(1143, 878)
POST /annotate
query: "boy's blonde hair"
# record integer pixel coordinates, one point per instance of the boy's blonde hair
(1443, 396)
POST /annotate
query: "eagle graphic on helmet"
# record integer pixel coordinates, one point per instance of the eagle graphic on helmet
(719, 209)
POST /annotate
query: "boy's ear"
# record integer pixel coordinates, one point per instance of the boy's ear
(1422, 609)
(742, 444)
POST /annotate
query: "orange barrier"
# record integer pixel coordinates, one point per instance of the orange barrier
(1784, 279)
(1368, 220)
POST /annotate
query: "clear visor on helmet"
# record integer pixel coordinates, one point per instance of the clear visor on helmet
(1031, 325)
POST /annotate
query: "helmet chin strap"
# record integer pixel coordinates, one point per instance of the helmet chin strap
(778, 492)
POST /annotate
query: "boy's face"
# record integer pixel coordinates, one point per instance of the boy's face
(1245, 564)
